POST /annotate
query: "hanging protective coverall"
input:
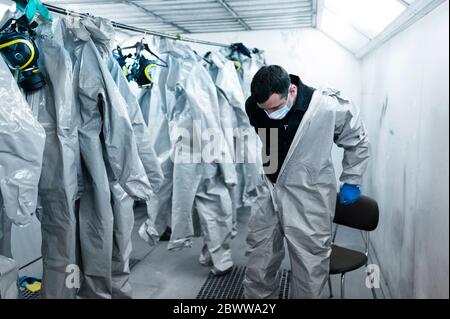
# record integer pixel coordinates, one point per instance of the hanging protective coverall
(190, 99)
(246, 63)
(8, 278)
(249, 68)
(146, 151)
(123, 213)
(159, 208)
(109, 155)
(300, 205)
(102, 32)
(215, 67)
(124, 220)
(246, 145)
(21, 148)
(54, 107)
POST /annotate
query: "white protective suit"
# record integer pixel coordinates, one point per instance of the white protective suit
(186, 95)
(246, 66)
(21, 148)
(124, 222)
(54, 107)
(159, 208)
(22, 141)
(110, 158)
(8, 278)
(245, 145)
(299, 207)
(102, 33)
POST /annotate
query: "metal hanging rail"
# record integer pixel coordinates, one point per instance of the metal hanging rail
(122, 26)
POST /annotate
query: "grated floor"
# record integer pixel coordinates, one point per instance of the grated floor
(230, 285)
(26, 294)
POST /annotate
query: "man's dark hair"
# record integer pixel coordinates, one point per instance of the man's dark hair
(269, 80)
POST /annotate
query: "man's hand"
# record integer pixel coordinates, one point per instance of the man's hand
(349, 194)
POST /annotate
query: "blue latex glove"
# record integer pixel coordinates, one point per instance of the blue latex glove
(349, 194)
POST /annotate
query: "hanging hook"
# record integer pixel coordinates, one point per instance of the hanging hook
(69, 18)
(68, 13)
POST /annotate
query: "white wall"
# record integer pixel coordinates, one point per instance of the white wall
(406, 108)
(308, 53)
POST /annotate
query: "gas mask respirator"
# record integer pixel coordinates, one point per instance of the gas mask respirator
(21, 54)
(142, 70)
(143, 74)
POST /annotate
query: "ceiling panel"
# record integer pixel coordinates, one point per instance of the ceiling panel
(199, 16)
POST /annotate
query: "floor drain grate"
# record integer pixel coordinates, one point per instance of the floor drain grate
(26, 294)
(230, 286)
(284, 284)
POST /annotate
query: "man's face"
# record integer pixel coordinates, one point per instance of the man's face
(276, 101)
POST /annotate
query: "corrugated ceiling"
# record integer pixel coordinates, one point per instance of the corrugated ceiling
(358, 25)
(200, 16)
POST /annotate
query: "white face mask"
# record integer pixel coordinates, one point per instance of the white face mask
(281, 113)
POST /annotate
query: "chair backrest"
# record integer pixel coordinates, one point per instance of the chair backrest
(363, 214)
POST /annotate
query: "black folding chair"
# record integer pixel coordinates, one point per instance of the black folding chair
(362, 215)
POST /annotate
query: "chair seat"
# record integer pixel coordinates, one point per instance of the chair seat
(345, 260)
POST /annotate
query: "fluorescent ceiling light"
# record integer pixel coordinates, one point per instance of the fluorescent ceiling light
(369, 17)
(335, 27)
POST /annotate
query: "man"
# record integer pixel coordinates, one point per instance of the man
(297, 199)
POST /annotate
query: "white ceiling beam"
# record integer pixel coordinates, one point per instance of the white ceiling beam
(314, 13)
(292, 27)
(247, 19)
(405, 3)
(233, 13)
(280, 4)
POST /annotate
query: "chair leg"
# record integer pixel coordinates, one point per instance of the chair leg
(374, 294)
(329, 286)
(343, 286)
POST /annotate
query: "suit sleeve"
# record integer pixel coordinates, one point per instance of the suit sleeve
(351, 135)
